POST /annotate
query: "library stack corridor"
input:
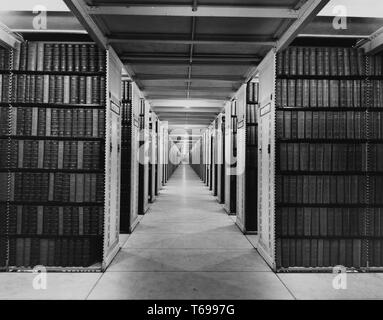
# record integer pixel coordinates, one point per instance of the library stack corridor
(191, 149)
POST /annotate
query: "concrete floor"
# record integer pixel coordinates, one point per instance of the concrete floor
(186, 247)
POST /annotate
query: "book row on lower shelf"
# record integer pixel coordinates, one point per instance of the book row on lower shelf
(52, 89)
(4, 59)
(52, 154)
(56, 122)
(251, 110)
(327, 189)
(30, 220)
(53, 187)
(251, 135)
(329, 157)
(60, 252)
(326, 222)
(252, 92)
(323, 93)
(322, 253)
(325, 125)
(252, 159)
(57, 89)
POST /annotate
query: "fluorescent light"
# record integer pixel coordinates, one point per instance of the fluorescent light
(355, 8)
(29, 5)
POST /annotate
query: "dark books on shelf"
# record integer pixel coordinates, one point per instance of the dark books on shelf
(56, 125)
(59, 57)
(321, 61)
(126, 147)
(328, 169)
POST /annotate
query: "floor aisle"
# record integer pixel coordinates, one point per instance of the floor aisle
(186, 247)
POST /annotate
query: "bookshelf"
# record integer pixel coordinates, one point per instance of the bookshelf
(214, 158)
(127, 218)
(221, 158)
(130, 160)
(63, 115)
(230, 156)
(209, 153)
(143, 189)
(247, 172)
(164, 151)
(153, 156)
(324, 153)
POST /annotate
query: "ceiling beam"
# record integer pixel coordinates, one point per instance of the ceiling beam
(375, 42)
(307, 11)
(187, 115)
(180, 39)
(80, 10)
(205, 97)
(209, 58)
(201, 11)
(184, 109)
(8, 38)
(185, 63)
(201, 89)
(146, 76)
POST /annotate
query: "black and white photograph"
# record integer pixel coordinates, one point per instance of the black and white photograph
(191, 154)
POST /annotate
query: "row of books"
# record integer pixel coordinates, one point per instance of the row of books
(251, 135)
(252, 92)
(126, 145)
(251, 161)
(376, 93)
(61, 187)
(322, 125)
(59, 57)
(375, 254)
(251, 113)
(52, 154)
(327, 157)
(321, 93)
(320, 253)
(126, 112)
(322, 61)
(375, 190)
(4, 59)
(322, 189)
(59, 252)
(375, 65)
(58, 122)
(4, 121)
(58, 89)
(52, 220)
(126, 90)
(4, 88)
(322, 222)
(4, 149)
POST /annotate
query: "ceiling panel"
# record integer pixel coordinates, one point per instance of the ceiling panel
(238, 26)
(158, 69)
(146, 24)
